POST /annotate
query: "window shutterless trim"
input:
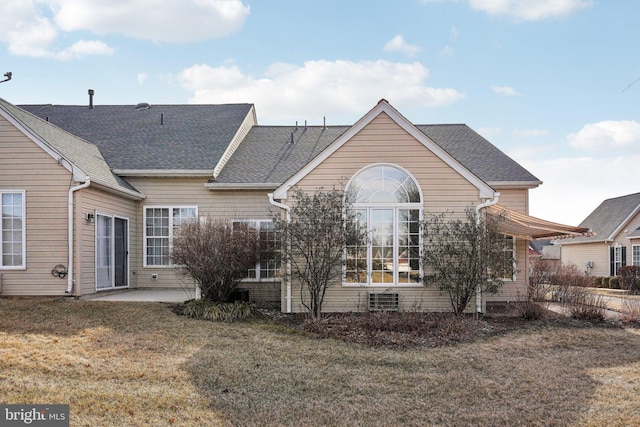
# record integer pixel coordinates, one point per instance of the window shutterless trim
(170, 231)
(23, 265)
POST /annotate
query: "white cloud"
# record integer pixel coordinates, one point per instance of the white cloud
(169, 21)
(85, 48)
(25, 30)
(504, 90)
(398, 44)
(607, 135)
(289, 92)
(577, 181)
(142, 77)
(530, 10)
(34, 27)
(574, 186)
(447, 51)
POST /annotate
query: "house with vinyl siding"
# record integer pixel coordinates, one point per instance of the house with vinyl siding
(92, 195)
(615, 241)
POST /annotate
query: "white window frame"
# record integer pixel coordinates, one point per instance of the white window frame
(635, 254)
(513, 257)
(256, 223)
(23, 265)
(618, 262)
(395, 207)
(171, 209)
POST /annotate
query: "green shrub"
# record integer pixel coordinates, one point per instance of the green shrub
(215, 311)
(614, 283)
(605, 282)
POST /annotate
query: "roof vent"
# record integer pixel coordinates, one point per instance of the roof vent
(143, 106)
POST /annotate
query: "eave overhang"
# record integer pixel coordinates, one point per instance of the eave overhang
(241, 186)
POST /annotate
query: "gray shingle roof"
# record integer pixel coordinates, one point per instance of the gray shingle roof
(79, 152)
(608, 217)
(187, 137)
(267, 156)
(477, 154)
(193, 137)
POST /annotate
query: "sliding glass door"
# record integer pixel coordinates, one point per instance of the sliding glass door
(112, 252)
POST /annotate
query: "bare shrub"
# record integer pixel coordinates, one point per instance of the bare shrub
(630, 278)
(540, 276)
(585, 305)
(215, 255)
(630, 311)
(319, 227)
(529, 310)
(463, 256)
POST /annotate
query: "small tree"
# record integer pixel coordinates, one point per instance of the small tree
(216, 255)
(320, 226)
(463, 256)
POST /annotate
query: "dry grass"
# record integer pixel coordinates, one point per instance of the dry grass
(138, 364)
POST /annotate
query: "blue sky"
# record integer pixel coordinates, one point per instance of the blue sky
(547, 81)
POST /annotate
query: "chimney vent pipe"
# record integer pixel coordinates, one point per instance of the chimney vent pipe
(91, 99)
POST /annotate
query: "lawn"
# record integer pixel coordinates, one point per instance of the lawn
(139, 364)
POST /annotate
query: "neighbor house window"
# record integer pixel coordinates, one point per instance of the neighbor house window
(268, 265)
(618, 256)
(13, 237)
(635, 255)
(160, 226)
(388, 203)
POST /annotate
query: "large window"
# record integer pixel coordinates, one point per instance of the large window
(13, 237)
(635, 255)
(268, 264)
(388, 202)
(160, 225)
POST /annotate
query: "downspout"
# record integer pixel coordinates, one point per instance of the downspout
(486, 204)
(287, 209)
(72, 190)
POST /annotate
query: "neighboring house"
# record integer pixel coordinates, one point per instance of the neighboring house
(544, 249)
(615, 241)
(91, 196)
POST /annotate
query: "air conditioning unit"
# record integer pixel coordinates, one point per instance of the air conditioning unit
(379, 301)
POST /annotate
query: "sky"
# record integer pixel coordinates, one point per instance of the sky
(552, 83)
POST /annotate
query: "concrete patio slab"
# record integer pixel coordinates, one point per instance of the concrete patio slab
(148, 295)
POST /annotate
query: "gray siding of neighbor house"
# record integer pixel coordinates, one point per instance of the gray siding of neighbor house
(579, 255)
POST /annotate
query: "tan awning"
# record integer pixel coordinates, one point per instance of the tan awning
(523, 226)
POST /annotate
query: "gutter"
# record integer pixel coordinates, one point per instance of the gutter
(486, 204)
(287, 209)
(72, 190)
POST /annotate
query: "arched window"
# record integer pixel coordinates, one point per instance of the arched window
(388, 202)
